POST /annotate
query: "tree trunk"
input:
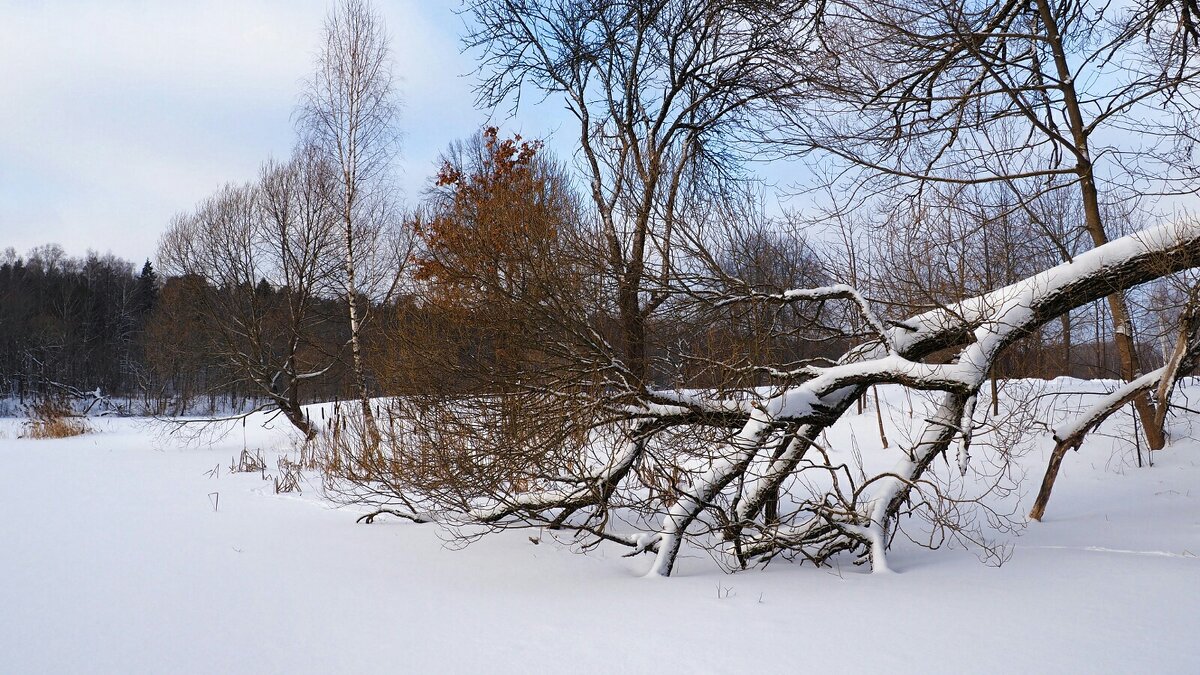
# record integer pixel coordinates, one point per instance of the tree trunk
(879, 418)
(633, 329)
(1043, 496)
(295, 414)
(359, 372)
(1123, 326)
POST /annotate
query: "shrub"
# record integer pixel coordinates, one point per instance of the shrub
(53, 418)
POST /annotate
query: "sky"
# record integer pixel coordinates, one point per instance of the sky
(117, 114)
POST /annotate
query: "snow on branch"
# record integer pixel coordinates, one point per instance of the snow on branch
(820, 294)
(1072, 432)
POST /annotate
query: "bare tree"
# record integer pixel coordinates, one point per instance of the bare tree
(349, 113)
(257, 260)
(660, 90)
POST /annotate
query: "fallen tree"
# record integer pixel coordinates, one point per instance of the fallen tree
(650, 468)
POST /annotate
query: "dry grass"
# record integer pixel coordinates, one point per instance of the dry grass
(342, 449)
(52, 418)
(289, 476)
(248, 462)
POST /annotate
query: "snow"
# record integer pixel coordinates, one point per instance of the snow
(113, 559)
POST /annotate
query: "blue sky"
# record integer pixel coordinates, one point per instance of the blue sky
(115, 115)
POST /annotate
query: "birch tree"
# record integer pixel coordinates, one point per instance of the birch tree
(349, 112)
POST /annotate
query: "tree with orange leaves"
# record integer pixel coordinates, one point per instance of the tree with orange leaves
(496, 210)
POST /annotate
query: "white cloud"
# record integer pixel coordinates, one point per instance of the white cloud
(114, 115)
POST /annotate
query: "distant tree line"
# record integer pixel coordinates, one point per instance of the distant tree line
(213, 336)
(73, 322)
(78, 326)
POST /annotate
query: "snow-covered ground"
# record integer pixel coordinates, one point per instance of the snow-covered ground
(124, 551)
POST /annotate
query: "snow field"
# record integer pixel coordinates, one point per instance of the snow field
(123, 551)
